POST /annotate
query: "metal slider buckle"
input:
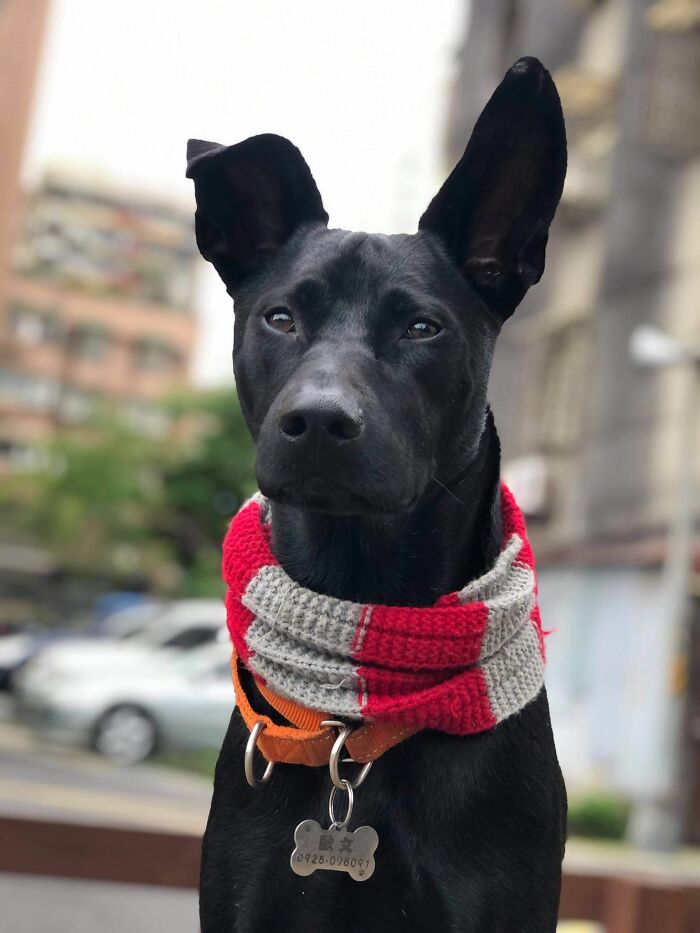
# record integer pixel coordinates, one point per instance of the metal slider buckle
(333, 762)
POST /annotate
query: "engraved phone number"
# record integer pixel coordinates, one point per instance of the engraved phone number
(313, 858)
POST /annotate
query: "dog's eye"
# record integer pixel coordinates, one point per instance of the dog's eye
(281, 320)
(420, 330)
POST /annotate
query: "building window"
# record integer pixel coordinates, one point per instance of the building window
(89, 342)
(18, 456)
(583, 6)
(146, 418)
(78, 405)
(589, 102)
(675, 16)
(566, 357)
(31, 325)
(155, 356)
(107, 244)
(38, 393)
(671, 118)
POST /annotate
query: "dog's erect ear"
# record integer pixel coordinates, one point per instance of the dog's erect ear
(493, 212)
(250, 199)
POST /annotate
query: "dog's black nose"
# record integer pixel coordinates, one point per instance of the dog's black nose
(320, 414)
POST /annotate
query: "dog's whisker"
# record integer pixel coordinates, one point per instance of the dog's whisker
(448, 491)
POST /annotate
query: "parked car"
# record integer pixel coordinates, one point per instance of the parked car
(129, 619)
(160, 700)
(23, 643)
(15, 649)
(187, 623)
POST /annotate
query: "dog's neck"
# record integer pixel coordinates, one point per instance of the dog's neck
(452, 537)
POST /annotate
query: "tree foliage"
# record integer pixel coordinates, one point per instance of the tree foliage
(204, 488)
(115, 503)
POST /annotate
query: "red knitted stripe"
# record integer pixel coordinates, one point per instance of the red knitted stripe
(459, 705)
(243, 555)
(512, 517)
(386, 682)
(514, 523)
(449, 599)
(238, 620)
(436, 637)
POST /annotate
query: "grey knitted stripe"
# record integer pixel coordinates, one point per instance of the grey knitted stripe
(302, 642)
(491, 583)
(510, 610)
(316, 666)
(337, 696)
(515, 675)
(311, 618)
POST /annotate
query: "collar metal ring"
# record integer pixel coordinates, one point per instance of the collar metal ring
(248, 759)
(334, 760)
(346, 786)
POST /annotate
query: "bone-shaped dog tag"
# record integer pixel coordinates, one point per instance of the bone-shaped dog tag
(334, 849)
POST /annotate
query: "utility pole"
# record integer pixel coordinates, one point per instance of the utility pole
(659, 823)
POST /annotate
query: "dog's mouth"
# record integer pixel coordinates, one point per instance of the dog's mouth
(318, 493)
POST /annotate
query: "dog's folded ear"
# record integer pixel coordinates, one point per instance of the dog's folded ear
(493, 212)
(251, 198)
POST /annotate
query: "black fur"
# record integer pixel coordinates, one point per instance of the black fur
(378, 451)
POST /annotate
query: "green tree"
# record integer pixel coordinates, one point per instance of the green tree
(91, 506)
(112, 502)
(206, 484)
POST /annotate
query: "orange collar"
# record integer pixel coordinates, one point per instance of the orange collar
(306, 741)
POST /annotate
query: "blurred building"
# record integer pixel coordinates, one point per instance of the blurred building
(21, 30)
(95, 295)
(98, 310)
(591, 441)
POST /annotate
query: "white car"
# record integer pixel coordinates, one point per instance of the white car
(162, 700)
(17, 648)
(188, 623)
(14, 650)
(93, 691)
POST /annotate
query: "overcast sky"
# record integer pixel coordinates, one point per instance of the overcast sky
(360, 87)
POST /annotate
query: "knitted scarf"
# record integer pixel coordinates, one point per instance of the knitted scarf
(461, 666)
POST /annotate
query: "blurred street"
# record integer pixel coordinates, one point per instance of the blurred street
(49, 782)
(109, 908)
(38, 780)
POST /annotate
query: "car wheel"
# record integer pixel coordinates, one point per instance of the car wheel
(126, 735)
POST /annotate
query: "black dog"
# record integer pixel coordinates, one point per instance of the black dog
(362, 363)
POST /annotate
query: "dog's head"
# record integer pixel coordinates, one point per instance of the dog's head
(362, 360)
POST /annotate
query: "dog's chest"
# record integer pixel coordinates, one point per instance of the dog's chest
(455, 816)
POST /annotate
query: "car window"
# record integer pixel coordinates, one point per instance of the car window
(129, 623)
(192, 637)
(131, 633)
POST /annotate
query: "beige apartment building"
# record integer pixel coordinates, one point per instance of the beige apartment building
(98, 311)
(21, 30)
(594, 443)
(96, 283)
